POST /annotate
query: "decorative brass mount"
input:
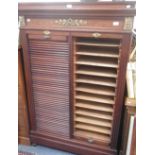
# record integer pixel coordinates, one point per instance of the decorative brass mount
(21, 21)
(71, 22)
(128, 23)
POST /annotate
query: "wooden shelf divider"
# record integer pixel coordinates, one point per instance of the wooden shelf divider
(93, 128)
(96, 63)
(96, 82)
(93, 114)
(95, 91)
(96, 73)
(94, 122)
(87, 135)
(94, 107)
(98, 44)
(97, 54)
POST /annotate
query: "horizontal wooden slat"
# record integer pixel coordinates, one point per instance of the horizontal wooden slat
(53, 128)
(48, 86)
(92, 121)
(43, 71)
(94, 107)
(49, 37)
(95, 99)
(98, 44)
(96, 82)
(51, 100)
(99, 64)
(97, 54)
(39, 53)
(58, 56)
(46, 108)
(48, 80)
(48, 59)
(93, 114)
(96, 73)
(95, 90)
(52, 44)
(92, 128)
(55, 119)
(93, 136)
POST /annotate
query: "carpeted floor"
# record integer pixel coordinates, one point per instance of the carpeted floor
(40, 150)
(25, 153)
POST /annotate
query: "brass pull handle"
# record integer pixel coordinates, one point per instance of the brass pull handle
(96, 35)
(46, 32)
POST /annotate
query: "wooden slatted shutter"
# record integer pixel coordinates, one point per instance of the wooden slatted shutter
(49, 62)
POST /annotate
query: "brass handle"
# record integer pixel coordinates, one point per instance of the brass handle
(46, 32)
(96, 35)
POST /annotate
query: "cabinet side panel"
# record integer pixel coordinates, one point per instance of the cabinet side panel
(27, 73)
(23, 126)
(121, 87)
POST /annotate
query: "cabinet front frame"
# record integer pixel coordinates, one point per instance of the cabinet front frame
(120, 85)
(27, 70)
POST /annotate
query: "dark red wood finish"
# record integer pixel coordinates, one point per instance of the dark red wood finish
(23, 122)
(71, 145)
(23, 41)
(50, 83)
(71, 84)
(111, 11)
(126, 41)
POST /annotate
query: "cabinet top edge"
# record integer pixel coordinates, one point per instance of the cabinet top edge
(128, 6)
(80, 3)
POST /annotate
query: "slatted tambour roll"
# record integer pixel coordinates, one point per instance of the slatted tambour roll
(50, 85)
(96, 69)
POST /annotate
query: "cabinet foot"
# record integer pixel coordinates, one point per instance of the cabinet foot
(34, 144)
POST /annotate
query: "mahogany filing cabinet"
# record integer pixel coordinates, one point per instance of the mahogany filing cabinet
(75, 57)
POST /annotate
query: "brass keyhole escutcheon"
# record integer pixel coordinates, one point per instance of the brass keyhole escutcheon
(96, 35)
(46, 32)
